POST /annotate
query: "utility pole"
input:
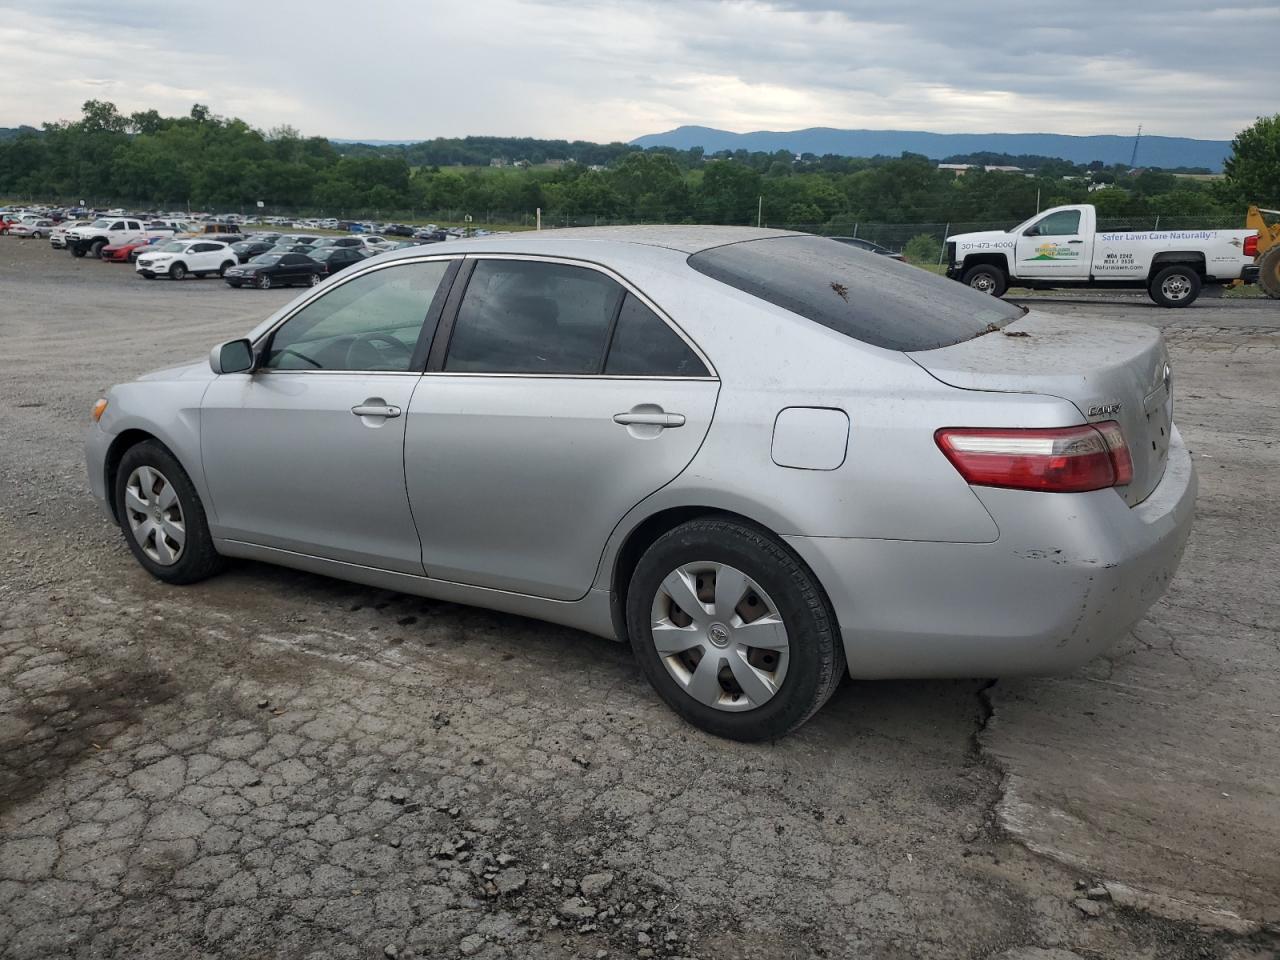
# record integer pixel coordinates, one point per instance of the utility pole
(759, 210)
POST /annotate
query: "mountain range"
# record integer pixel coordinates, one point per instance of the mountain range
(1153, 151)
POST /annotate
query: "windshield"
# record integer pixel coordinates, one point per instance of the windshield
(172, 247)
(870, 298)
(266, 259)
(100, 224)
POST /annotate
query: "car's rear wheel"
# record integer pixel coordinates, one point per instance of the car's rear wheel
(732, 630)
(1176, 286)
(264, 281)
(162, 517)
(986, 279)
(225, 267)
(177, 272)
(313, 279)
(37, 235)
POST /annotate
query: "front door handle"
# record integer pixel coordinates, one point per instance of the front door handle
(1075, 241)
(375, 408)
(649, 419)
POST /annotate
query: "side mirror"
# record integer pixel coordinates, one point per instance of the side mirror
(1032, 231)
(234, 356)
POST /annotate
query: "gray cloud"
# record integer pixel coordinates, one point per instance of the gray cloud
(602, 70)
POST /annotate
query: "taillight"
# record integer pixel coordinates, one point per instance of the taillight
(1251, 245)
(1052, 460)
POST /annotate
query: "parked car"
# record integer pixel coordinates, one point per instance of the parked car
(269, 270)
(335, 259)
(126, 252)
(859, 244)
(246, 250)
(431, 235)
(177, 258)
(693, 438)
(377, 244)
(356, 243)
(34, 229)
(303, 248)
(58, 235)
(398, 230)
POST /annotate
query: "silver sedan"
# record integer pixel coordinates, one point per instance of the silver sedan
(763, 459)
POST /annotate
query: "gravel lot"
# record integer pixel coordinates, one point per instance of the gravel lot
(273, 764)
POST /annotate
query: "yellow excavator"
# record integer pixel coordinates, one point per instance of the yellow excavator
(1267, 223)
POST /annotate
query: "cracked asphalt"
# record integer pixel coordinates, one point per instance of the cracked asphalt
(273, 764)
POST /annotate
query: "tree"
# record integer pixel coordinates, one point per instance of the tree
(923, 248)
(1254, 165)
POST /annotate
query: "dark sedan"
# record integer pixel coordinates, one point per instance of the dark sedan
(334, 259)
(291, 248)
(246, 250)
(269, 270)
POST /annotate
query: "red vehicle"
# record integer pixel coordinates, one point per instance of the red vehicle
(126, 252)
(6, 221)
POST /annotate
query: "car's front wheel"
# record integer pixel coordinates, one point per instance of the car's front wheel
(177, 272)
(986, 279)
(162, 517)
(733, 630)
(264, 281)
(1175, 286)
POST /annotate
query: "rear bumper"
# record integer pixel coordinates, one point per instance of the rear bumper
(1068, 576)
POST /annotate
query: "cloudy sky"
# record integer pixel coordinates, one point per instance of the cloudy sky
(607, 69)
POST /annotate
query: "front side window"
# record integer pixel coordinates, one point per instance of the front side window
(370, 323)
(644, 346)
(1063, 223)
(118, 225)
(523, 316)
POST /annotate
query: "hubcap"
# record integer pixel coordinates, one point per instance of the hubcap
(720, 636)
(155, 515)
(1175, 287)
(983, 284)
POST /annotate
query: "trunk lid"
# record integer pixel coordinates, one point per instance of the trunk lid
(1107, 370)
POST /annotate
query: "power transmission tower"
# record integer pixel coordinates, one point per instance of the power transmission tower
(1133, 157)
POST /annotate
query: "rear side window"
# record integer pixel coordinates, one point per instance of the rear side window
(644, 346)
(522, 316)
(870, 298)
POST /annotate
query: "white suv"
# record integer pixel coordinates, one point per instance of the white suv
(177, 258)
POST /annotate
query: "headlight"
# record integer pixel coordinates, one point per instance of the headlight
(99, 409)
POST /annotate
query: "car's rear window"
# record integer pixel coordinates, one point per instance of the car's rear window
(871, 298)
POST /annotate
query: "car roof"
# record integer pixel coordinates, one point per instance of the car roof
(681, 239)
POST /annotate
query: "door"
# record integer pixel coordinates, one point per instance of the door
(1054, 246)
(560, 401)
(205, 256)
(306, 453)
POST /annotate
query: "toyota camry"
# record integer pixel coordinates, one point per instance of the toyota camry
(763, 459)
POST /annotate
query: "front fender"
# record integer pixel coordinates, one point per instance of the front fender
(169, 411)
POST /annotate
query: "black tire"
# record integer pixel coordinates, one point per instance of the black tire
(986, 279)
(1269, 273)
(37, 235)
(313, 280)
(233, 284)
(816, 656)
(95, 249)
(198, 558)
(1177, 285)
(178, 271)
(225, 267)
(76, 250)
(264, 281)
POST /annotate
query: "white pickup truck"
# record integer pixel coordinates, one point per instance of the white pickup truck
(108, 231)
(1062, 247)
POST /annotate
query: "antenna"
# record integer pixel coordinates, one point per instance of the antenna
(1133, 157)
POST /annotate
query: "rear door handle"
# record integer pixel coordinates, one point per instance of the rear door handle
(368, 409)
(650, 419)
